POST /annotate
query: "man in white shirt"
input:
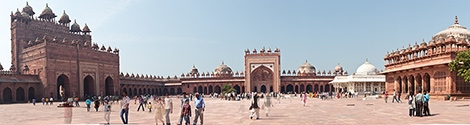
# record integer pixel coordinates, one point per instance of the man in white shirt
(125, 107)
(168, 108)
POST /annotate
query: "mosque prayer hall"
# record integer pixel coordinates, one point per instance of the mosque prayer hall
(51, 58)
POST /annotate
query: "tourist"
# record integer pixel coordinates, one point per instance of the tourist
(278, 98)
(125, 107)
(186, 112)
(168, 108)
(51, 100)
(97, 104)
(141, 103)
(399, 96)
(386, 97)
(88, 103)
(419, 104)
(159, 111)
(426, 105)
(43, 100)
(150, 106)
(254, 108)
(199, 110)
(183, 100)
(411, 104)
(76, 102)
(107, 112)
(395, 96)
(268, 104)
(304, 98)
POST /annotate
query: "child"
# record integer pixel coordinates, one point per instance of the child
(186, 111)
(107, 112)
(150, 106)
(159, 111)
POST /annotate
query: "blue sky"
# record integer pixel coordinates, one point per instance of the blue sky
(168, 37)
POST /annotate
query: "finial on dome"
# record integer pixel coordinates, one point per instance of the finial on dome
(367, 60)
(306, 60)
(456, 20)
(222, 62)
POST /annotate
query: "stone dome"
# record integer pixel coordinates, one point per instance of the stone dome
(47, 13)
(455, 30)
(338, 68)
(28, 9)
(366, 69)
(75, 27)
(306, 68)
(222, 69)
(193, 70)
(86, 29)
(64, 18)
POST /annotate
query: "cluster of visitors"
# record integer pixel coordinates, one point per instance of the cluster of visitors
(418, 104)
(47, 101)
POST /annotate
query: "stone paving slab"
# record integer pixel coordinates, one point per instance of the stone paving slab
(289, 111)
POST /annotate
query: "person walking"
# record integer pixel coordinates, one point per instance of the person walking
(88, 103)
(395, 96)
(268, 104)
(419, 104)
(304, 99)
(125, 107)
(159, 111)
(47, 101)
(97, 104)
(386, 97)
(411, 104)
(426, 104)
(150, 106)
(76, 102)
(34, 102)
(199, 110)
(52, 100)
(399, 96)
(186, 112)
(107, 112)
(168, 108)
(141, 103)
(254, 108)
(43, 100)
(183, 100)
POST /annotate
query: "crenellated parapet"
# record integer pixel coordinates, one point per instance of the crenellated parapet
(262, 51)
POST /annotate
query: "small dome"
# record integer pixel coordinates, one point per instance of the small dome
(454, 30)
(366, 69)
(306, 68)
(338, 68)
(47, 13)
(1, 67)
(416, 46)
(222, 69)
(86, 29)
(28, 9)
(75, 27)
(193, 70)
(64, 18)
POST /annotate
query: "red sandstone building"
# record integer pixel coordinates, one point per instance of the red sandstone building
(425, 66)
(48, 55)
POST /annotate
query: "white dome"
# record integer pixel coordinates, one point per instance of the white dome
(306, 68)
(456, 30)
(366, 69)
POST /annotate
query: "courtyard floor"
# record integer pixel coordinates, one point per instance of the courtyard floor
(289, 111)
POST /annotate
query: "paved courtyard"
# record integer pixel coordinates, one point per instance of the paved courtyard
(289, 111)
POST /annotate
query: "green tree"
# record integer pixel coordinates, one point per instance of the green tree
(461, 64)
(227, 88)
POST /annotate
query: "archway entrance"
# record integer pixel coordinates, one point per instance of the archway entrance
(315, 89)
(211, 90)
(290, 89)
(236, 87)
(172, 91)
(283, 90)
(63, 81)
(405, 81)
(327, 88)
(419, 83)
(399, 86)
(20, 94)
(261, 76)
(217, 89)
(179, 90)
(89, 86)
(412, 84)
(7, 96)
(263, 89)
(109, 86)
(427, 82)
(199, 90)
(31, 94)
(309, 88)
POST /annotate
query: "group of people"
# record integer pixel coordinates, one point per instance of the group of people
(418, 104)
(47, 101)
(255, 107)
(164, 107)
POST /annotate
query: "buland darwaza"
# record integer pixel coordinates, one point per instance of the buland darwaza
(425, 66)
(51, 58)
